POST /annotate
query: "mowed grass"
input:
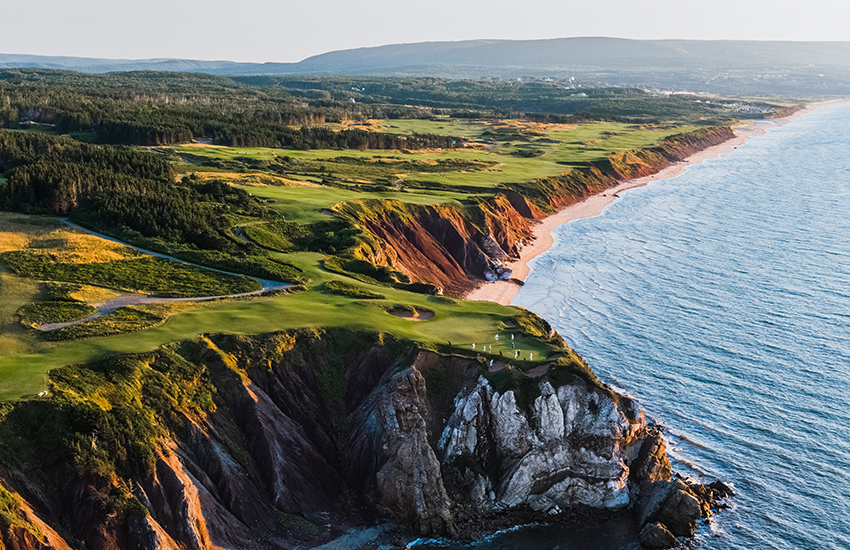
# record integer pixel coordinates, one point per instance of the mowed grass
(305, 204)
(457, 321)
(563, 146)
(35, 128)
(24, 365)
(466, 129)
(15, 292)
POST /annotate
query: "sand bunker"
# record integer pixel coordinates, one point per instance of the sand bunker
(411, 313)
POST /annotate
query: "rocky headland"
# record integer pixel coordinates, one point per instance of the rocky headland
(285, 440)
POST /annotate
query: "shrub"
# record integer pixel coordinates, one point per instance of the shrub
(146, 274)
(41, 313)
(120, 321)
(352, 291)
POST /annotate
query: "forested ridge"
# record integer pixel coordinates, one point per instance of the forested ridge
(545, 100)
(166, 108)
(153, 108)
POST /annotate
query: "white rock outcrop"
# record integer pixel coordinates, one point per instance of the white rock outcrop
(574, 446)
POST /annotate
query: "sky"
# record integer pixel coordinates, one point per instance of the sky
(289, 31)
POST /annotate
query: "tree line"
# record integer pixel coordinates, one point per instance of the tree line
(150, 108)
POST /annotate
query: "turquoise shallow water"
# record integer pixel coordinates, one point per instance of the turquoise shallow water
(721, 300)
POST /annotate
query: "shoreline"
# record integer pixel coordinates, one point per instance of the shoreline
(503, 292)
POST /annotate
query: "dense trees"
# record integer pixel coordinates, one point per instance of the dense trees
(53, 175)
(165, 108)
(546, 101)
(114, 186)
(132, 194)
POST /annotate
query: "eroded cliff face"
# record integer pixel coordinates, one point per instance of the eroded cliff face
(440, 244)
(573, 447)
(456, 248)
(310, 429)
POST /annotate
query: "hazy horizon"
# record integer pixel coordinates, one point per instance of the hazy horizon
(142, 59)
(288, 32)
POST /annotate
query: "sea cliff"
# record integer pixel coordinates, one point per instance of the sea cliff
(281, 440)
(456, 247)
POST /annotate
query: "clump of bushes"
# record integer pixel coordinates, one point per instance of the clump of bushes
(528, 153)
(41, 313)
(351, 290)
(532, 325)
(147, 274)
(62, 292)
(120, 321)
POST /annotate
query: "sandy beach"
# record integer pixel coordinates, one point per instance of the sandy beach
(503, 292)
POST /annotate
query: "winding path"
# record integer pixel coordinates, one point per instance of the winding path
(138, 299)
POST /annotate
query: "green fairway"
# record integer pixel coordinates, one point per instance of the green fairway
(556, 147)
(23, 372)
(448, 127)
(504, 152)
(303, 204)
(15, 292)
(35, 128)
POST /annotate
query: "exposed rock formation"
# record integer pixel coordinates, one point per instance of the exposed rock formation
(317, 428)
(656, 535)
(439, 244)
(669, 507)
(576, 453)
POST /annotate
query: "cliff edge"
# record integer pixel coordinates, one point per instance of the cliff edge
(281, 440)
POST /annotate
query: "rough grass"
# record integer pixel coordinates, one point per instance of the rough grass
(267, 238)
(66, 246)
(17, 230)
(12, 241)
(41, 313)
(93, 294)
(344, 288)
(121, 321)
(145, 274)
(10, 513)
(61, 291)
(62, 244)
(532, 324)
(362, 270)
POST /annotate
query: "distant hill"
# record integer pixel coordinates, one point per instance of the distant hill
(786, 68)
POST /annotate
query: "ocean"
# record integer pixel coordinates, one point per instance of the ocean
(720, 299)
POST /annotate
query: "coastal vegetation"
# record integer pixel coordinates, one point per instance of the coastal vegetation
(40, 313)
(121, 321)
(380, 210)
(386, 200)
(159, 276)
(352, 291)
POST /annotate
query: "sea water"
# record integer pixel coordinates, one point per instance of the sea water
(720, 299)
